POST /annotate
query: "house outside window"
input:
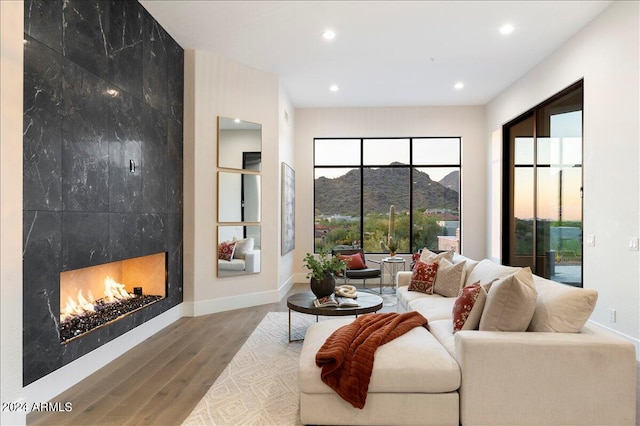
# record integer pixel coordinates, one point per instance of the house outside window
(377, 193)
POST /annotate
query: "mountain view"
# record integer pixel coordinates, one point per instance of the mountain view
(385, 187)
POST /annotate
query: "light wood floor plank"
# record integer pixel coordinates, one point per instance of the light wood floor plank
(160, 381)
(122, 377)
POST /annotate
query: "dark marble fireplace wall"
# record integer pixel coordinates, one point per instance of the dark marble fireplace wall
(103, 85)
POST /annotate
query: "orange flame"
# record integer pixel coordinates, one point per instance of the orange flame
(113, 291)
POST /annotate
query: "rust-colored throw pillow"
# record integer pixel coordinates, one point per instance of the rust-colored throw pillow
(467, 309)
(423, 277)
(225, 250)
(354, 261)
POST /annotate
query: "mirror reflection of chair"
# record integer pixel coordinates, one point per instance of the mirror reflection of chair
(357, 266)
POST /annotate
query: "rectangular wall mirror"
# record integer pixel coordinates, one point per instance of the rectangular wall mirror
(238, 197)
(239, 144)
(238, 250)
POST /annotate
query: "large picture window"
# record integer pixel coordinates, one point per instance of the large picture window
(378, 192)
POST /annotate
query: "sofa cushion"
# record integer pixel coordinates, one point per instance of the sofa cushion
(449, 278)
(354, 261)
(225, 250)
(243, 247)
(442, 330)
(561, 308)
(231, 265)
(433, 307)
(423, 277)
(405, 297)
(428, 256)
(468, 307)
(510, 303)
(487, 271)
(425, 366)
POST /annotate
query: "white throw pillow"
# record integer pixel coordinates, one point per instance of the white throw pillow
(427, 256)
(449, 278)
(561, 308)
(487, 271)
(510, 303)
(243, 247)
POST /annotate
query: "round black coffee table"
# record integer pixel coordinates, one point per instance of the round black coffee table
(303, 303)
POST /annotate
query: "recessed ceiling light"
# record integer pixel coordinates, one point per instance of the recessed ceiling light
(459, 85)
(506, 29)
(329, 35)
(334, 88)
(237, 120)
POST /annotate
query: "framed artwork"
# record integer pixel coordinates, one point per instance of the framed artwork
(288, 209)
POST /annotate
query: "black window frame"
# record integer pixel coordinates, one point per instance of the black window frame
(361, 167)
(508, 168)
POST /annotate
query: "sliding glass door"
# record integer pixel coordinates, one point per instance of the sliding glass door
(542, 213)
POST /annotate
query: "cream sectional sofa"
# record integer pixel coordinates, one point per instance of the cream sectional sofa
(474, 377)
(250, 264)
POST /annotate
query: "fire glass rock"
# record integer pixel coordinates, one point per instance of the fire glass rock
(104, 312)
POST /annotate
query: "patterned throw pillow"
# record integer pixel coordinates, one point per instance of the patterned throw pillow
(423, 277)
(414, 258)
(225, 250)
(354, 261)
(449, 278)
(467, 309)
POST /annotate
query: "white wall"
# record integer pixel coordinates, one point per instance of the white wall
(11, 52)
(467, 122)
(606, 54)
(286, 148)
(216, 86)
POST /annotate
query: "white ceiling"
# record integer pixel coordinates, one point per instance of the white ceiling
(386, 53)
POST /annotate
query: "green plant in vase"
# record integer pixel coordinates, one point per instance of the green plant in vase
(322, 270)
(392, 246)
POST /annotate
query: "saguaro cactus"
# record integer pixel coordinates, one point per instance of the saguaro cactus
(390, 245)
(392, 223)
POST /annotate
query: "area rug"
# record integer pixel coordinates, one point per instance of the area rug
(259, 386)
(389, 298)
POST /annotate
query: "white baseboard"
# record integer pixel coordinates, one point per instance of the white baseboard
(213, 306)
(223, 304)
(633, 340)
(284, 288)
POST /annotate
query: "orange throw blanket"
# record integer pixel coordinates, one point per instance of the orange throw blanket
(346, 357)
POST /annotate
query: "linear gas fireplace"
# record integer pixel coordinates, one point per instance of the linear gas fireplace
(95, 296)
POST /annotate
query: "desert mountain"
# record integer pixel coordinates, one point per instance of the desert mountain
(382, 188)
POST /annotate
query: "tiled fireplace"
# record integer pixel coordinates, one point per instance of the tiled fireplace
(102, 169)
(96, 296)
